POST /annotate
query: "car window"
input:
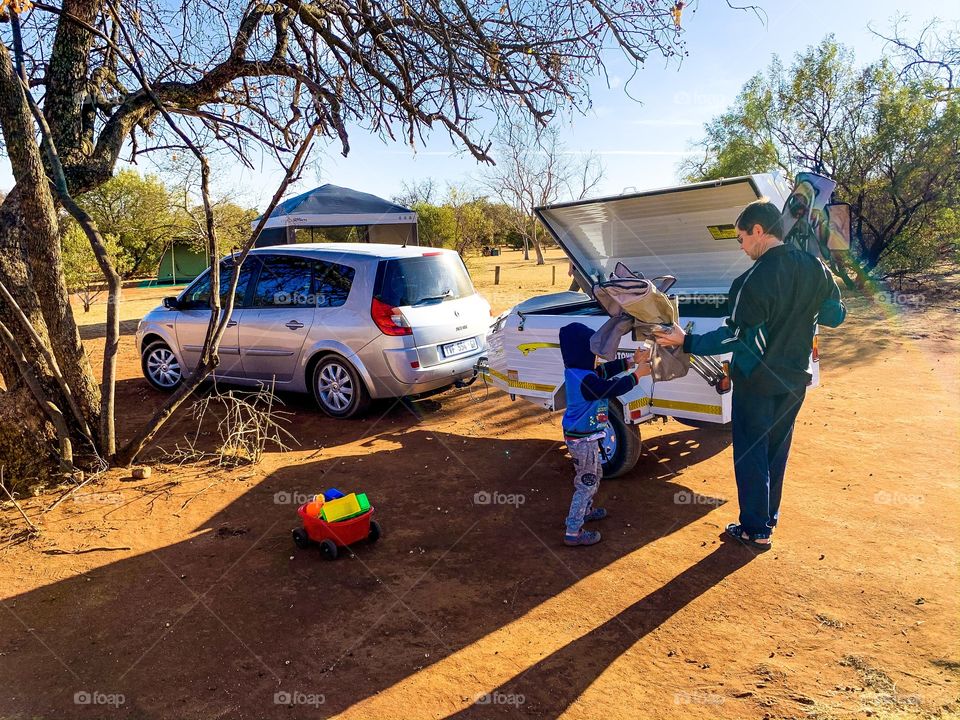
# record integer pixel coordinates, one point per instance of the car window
(285, 281)
(420, 280)
(198, 294)
(331, 283)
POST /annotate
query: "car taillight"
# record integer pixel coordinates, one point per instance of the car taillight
(724, 385)
(389, 319)
(816, 348)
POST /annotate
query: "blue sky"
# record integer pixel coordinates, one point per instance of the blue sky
(640, 142)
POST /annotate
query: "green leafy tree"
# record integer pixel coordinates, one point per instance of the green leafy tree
(231, 223)
(889, 139)
(436, 224)
(80, 268)
(141, 214)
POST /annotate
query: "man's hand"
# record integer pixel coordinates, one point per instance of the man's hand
(673, 338)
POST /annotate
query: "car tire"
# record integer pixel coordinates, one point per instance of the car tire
(338, 388)
(161, 367)
(622, 443)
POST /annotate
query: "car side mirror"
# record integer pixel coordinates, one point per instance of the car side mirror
(171, 303)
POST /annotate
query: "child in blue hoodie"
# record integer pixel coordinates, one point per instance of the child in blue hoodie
(589, 387)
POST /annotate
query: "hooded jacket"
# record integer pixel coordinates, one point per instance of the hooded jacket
(588, 388)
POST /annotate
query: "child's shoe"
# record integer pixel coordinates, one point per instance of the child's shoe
(584, 537)
(595, 514)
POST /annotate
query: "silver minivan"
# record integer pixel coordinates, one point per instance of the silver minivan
(346, 322)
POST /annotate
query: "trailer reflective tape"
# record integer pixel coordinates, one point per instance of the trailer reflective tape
(531, 386)
(518, 384)
(688, 406)
(527, 348)
(635, 408)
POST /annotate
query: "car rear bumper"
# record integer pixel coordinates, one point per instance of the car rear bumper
(405, 379)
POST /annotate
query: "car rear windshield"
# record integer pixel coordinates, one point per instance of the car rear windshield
(423, 280)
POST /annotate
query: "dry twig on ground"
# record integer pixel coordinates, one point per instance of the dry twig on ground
(250, 423)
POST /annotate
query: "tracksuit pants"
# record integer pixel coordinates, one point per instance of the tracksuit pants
(586, 480)
(762, 431)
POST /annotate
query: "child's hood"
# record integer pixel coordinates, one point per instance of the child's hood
(575, 346)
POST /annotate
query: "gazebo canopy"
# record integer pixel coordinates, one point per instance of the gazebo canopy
(335, 206)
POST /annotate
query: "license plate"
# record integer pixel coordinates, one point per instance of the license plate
(459, 348)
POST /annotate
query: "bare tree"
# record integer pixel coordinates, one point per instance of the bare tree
(97, 79)
(533, 169)
(416, 192)
(933, 56)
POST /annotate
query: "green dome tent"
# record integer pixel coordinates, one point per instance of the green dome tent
(181, 263)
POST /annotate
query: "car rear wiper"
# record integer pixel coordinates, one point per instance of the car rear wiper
(435, 298)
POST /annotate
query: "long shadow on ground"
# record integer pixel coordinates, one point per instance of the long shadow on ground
(215, 625)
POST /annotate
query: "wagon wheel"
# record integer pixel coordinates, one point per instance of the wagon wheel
(300, 538)
(328, 548)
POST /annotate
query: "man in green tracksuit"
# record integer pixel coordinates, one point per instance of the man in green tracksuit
(774, 309)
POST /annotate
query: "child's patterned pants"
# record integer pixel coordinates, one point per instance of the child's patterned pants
(586, 463)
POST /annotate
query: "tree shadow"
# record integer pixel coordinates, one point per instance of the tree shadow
(96, 331)
(554, 683)
(216, 625)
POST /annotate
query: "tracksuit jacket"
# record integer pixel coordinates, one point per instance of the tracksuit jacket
(588, 388)
(774, 308)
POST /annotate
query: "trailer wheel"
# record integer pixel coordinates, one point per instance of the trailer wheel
(621, 444)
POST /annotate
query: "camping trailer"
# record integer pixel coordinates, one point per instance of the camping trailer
(686, 232)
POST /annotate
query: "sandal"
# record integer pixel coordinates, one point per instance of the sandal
(584, 537)
(736, 531)
(596, 514)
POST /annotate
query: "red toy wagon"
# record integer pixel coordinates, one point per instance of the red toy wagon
(333, 535)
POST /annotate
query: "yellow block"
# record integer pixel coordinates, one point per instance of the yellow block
(333, 510)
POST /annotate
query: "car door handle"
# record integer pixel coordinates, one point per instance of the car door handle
(231, 323)
(294, 324)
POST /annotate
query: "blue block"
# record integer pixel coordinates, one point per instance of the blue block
(332, 494)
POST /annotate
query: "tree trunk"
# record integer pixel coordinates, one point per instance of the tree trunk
(28, 446)
(536, 244)
(31, 269)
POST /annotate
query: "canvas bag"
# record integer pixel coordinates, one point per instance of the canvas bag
(635, 303)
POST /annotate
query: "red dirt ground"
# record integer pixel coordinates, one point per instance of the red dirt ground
(183, 596)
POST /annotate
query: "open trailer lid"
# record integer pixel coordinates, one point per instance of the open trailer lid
(685, 231)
